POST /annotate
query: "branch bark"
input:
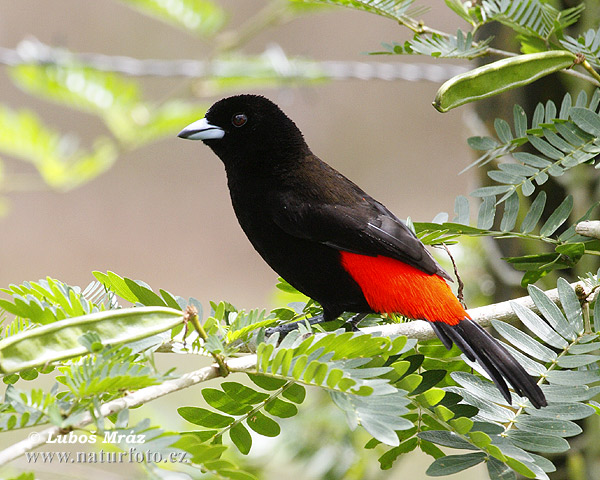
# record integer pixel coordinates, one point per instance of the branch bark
(417, 329)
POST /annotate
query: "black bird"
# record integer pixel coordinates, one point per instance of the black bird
(334, 242)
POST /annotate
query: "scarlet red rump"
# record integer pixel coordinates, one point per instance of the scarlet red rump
(393, 286)
(334, 242)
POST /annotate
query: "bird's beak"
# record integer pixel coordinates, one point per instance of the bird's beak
(201, 130)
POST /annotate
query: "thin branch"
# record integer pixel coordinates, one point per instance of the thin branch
(417, 329)
(135, 399)
(589, 228)
(34, 52)
(421, 330)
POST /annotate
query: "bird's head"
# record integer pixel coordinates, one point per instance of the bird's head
(246, 128)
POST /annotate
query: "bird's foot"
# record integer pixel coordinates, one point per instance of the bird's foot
(355, 320)
(286, 328)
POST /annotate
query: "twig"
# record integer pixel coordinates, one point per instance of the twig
(191, 315)
(461, 286)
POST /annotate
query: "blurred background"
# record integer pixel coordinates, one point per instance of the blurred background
(161, 213)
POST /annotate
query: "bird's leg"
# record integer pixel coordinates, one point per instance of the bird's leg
(355, 320)
(283, 330)
(286, 328)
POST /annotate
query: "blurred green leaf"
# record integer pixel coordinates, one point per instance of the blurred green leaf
(199, 16)
(58, 158)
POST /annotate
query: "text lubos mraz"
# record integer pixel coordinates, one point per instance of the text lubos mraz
(108, 437)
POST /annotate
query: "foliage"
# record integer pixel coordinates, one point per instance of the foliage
(405, 395)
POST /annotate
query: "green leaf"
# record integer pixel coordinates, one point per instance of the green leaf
(511, 210)
(433, 396)
(199, 16)
(569, 393)
(242, 393)
(492, 190)
(480, 439)
(263, 425)
(574, 251)
(446, 46)
(559, 428)
(233, 474)
(117, 284)
(524, 342)
(586, 119)
(573, 378)
(558, 217)
(223, 402)
(551, 313)
(487, 211)
(505, 177)
(538, 326)
(462, 425)
(295, 393)
(267, 383)
(545, 148)
(281, 409)
(394, 9)
(575, 361)
(461, 209)
(445, 438)
(451, 464)
(59, 340)
(498, 470)
(570, 304)
(482, 143)
(144, 294)
(241, 438)
(476, 386)
(500, 76)
(430, 378)
(388, 458)
(564, 411)
(204, 418)
(534, 214)
(536, 442)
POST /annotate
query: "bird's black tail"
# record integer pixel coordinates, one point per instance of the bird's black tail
(478, 345)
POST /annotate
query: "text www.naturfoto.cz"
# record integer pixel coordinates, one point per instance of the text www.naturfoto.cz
(131, 456)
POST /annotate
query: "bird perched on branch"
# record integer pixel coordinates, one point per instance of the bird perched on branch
(334, 242)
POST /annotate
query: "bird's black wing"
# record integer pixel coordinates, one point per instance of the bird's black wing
(359, 225)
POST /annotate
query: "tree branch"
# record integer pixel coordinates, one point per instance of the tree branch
(34, 52)
(588, 228)
(417, 329)
(135, 399)
(421, 330)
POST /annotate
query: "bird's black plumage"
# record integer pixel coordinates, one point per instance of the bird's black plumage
(302, 217)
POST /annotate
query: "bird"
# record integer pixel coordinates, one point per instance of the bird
(332, 241)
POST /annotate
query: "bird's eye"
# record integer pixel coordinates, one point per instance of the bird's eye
(239, 120)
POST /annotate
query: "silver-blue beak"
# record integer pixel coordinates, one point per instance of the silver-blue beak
(201, 130)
